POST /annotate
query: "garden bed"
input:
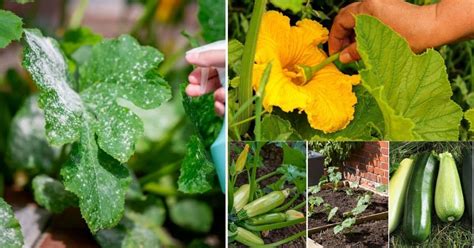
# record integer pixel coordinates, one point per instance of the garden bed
(369, 234)
(345, 203)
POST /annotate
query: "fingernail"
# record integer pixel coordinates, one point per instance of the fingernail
(345, 57)
(192, 57)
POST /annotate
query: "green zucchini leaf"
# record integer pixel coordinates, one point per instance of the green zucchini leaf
(197, 172)
(294, 5)
(10, 27)
(412, 90)
(105, 131)
(294, 156)
(127, 234)
(140, 226)
(10, 231)
(276, 128)
(51, 194)
(28, 148)
(469, 116)
(99, 181)
(234, 53)
(121, 68)
(200, 111)
(211, 16)
(202, 215)
(74, 39)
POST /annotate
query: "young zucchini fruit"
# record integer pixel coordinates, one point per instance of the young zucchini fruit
(267, 219)
(396, 190)
(416, 224)
(263, 204)
(449, 201)
(241, 197)
(247, 237)
(293, 215)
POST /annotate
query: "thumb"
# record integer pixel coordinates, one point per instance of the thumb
(349, 54)
(214, 58)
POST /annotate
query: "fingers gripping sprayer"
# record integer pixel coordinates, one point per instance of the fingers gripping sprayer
(219, 145)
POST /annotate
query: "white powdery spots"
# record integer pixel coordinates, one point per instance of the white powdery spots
(63, 106)
(10, 233)
(48, 68)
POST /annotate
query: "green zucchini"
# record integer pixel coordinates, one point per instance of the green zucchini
(246, 237)
(449, 201)
(467, 179)
(241, 197)
(397, 189)
(267, 219)
(416, 224)
(263, 204)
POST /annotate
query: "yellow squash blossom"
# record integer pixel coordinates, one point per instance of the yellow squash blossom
(327, 97)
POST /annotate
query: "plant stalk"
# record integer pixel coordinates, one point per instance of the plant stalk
(244, 91)
(309, 71)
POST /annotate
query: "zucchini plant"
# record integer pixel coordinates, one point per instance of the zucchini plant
(275, 202)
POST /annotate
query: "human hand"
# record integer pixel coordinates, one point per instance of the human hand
(422, 26)
(207, 60)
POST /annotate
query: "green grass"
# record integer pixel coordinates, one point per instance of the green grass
(456, 234)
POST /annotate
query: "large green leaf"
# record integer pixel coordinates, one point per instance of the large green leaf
(105, 131)
(51, 194)
(412, 91)
(10, 231)
(10, 27)
(275, 128)
(76, 38)
(197, 172)
(211, 16)
(121, 68)
(99, 181)
(28, 148)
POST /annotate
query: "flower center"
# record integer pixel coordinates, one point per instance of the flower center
(295, 73)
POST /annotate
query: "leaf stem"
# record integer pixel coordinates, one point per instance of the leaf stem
(244, 91)
(258, 102)
(287, 205)
(299, 206)
(273, 226)
(273, 173)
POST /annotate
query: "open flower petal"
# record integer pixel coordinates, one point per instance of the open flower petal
(327, 98)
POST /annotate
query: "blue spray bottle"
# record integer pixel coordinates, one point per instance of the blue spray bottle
(218, 148)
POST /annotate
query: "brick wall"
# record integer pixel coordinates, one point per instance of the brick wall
(368, 165)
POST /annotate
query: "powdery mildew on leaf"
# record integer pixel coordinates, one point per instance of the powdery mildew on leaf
(99, 181)
(117, 69)
(121, 68)
(197, 172)
(10, 231)
(412, 91)
(62, 106)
